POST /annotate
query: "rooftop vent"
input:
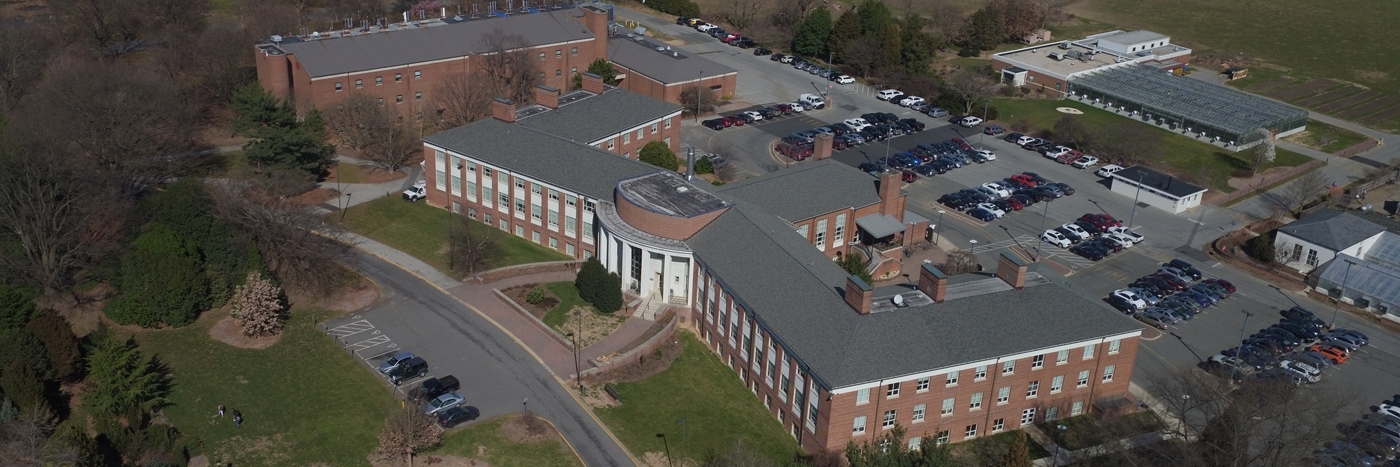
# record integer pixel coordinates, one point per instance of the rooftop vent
(276, 39)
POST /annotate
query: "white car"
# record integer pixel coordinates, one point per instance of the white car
(1108, 170)
(1000, 191)
(1056, 152)
(996, 211)
(1024, 140)
(798, 107)
(754, 113)
(1388, 410)
(857, 123)
(1077, 230)
(911, 100)
(1131, 297)
(969, 122)
(887, 94)
(1300, 366)
(991, 156)
(1121, 240)
(843, 79)
(1055, 238)
(1085, 162)
(1126, 233)
(705, 27)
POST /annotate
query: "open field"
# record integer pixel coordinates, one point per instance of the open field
(501, 451)
(698, 388)
(421, 230)
(304, 401)
(1327, 138)
(1212, 165)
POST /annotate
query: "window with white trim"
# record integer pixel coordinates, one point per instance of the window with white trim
(915, 442)
(889, 420)
(892, 390)
(1008, 367)
(802, 231)
(1108, 373)
(1003, 395)
(1083, 378)
(1033, 389)
(971, 431)
(941, 438)
(1113, 346)
(923, 384)
(838, 235)
(980, 374)
(1056, 384)
(952, 378)
(1028, 416)
(862, 396)
(858, 426)
(976, 403)
(1076, 409)
(948, 406)
(821, 234)
(919, 413)
(1062, 357)
(1037, 362)
(1089, 351)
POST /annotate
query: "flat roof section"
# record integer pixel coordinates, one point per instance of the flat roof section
(667, 193)
(666, 66)
(1038, 58)
(1157, 180)
(1135, 37)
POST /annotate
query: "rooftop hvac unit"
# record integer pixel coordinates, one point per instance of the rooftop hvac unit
(1361, 303)
(1064, 45)
(276, 39)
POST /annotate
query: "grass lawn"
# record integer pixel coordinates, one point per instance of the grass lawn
(1086, 430)
(1213, 165)
(718, 410)
(421, 230)
(568, 299)
(503, 452)
(995, 447)
(304, 401)
(1327, 138)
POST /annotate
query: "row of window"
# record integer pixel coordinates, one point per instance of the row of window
(1007, 368)
(379, 80)
(627, 137)
(975, 400)
(838, 235)
(484, 192)
(559, 53)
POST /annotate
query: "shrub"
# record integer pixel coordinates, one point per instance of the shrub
(659, 154)
(65, 354)
(22, 345)
(591, 279)
(535, 295)
(610, 297)
(258, 306)
(704, 166)
(959, 262)
(22, 385)
(160, 281)
(16, 305)
(1261, 248)
(969, 52)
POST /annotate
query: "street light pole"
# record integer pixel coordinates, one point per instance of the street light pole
(938, 229)
(1043, 216)
(698, 96)
(347, 207)
(1247, 315)
(1135, 200)
(1337, 306)
(577, 358)
(1096, 204)
(985, 103)
(1055, 462)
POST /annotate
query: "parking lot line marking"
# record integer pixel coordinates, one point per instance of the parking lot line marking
(367, 343)
(350, 329)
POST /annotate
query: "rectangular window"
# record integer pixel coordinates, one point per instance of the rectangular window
(1028, 416)
(553, 243)
(914, 443)
(378, 80)
(571, 200)
(380, 101)
(1076, 409)
(1008, 367)
(668, 124)
(338, 86)
(587, 229)
(574, 51)
(802, 231)
(541, 56)
(554, 195)
(1052, 413)
(398, 99)
(889, 420)
(1033, 389)
(359, 84)
(998, 425)
(976, 403)
(1108, 374)
(1056, 384)
(569, 248)
(639, 133)
(398, 77)
(862, 396)
(569, 226)
(471, 213)
(418, 74)
(535, 188)
(471, 189)
(919, 412)
(1084, 378)
(535, 236)
(892, 390)
(1089, 351)
(486, 195)
(941, 438)
(558, 53)
(1003, 395)
(1037, 362)
(948, 406)
(558, 72)
(821, 234)
(653, 128)
(981, 373)
(418, 96)
(535, 212)
(1062, 357)
(519, 230)
(626, 138)
(520, 206)
(553, 220)
(971, 430)
(923, 384)
(838, 235)
(1113, 346)
(858, 427)
(952, 378)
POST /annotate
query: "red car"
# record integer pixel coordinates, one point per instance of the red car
(838, 144)
(1068, 157)
(734, 120)
(962, 144)
(1102, 221)
(1025, 180)
(1221, 282)
(797, 152)
(908, 176)
(1015, 203)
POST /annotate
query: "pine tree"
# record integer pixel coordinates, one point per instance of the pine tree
(125, 382)
(657, 153)
(1019, 454)
(590, 280)
(812, 35)
(843, 34)
(610, 296)
(257, 305)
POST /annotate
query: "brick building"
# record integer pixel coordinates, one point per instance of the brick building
(832, 358)
(655, 70)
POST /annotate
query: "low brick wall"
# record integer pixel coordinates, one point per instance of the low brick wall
(1286, 175)
(1357, 148)
(518, 270)
(630, 356)
(533, 320)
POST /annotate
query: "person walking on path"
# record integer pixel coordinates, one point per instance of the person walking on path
(221, 411)
(238, 418)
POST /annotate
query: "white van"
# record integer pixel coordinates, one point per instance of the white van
(812, 101)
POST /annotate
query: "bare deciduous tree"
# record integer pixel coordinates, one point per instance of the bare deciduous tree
(1020, 17)
(787, 14)
(257, 305)
(359, 121)
(948, 20)
(406, 433)
(296, 245)
(1264, 153)
(22, 440)
(959, 262)
(1292, 197)
(1071, 129)
(25, 50)
(970, 87)
(508, 66)
(461, 99)
(742, 12)
(473, 247)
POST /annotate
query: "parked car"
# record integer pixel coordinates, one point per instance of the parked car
(1131, 297)
(910, 100)
(1120, 304)
(433, 387)
(936, 112)
(410, 368)
(1156, 320)
(762, 51)
(1108, 170)
(969, 122)
(395, 361)
(887, 94)
(419, 191)
(981, 214)
(993, 130)
(714, 124)
(442, 403)
(1085, 162)
(844, 79)
(457, 415)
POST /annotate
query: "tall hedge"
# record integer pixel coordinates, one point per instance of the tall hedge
(610, 295)
(161, 281)
(591, 280)
(64, 351)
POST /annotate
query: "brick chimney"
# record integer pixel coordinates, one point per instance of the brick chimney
(592, 83)
(1012, 269)
(889, 195)
(933, 282)
(596, 20)
(822, 148)
(859, 295)
(547, 96)
(503, 109)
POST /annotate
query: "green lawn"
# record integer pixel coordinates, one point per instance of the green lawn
(1327, 138)
(501, 451)
(421, 230)
(1213, 165)
(304, 401)
(718, 410)
(349, 173)
(1087, 430)
(568, 299)
(995, 447)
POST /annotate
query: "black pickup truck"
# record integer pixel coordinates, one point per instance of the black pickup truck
(434, 387)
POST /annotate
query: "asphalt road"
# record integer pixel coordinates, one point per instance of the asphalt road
(498, 375)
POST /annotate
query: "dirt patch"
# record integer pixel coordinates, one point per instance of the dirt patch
(1302, 90)
(228, 332)
(540, 309)
(1370, 107)
(1329, 96)
(1270, 85)
(271, 450)
(645, 364)
(433, 460)
(596, 397)
(527, 429)
(1383, 115)
(655, 459)
(82, 309)
(1350, 101)
(354, 297)
(316, 196)
(1263, 178)
(595, 327)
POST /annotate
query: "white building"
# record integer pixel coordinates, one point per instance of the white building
(1157, 189)
(1317, 238)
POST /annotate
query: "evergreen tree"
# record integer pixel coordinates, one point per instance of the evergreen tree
(874, 15)
(1018, 454)
(22, 386)
(604, 68)
(843, 34)
(125, 382)
(17, 305)
(916, 46)
(891, 46)
(591, 279)
(160, 281)
(24, 346)
(984, 30)
(610, 296)
(657, 153)
(62, 347)
(279, 140)
(854, 265)
(812, 35)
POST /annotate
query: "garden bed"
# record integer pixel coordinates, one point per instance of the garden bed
(556, 309)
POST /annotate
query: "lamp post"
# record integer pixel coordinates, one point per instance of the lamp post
(1096, 204)
(577, 357)
(1045, 214)
(974, 246)
(1135, 200)
(1055, 462)
(668, 448)
(699, 81)
(985, 103)
(681, 422)
(1247, 315)
(938, 229)
(578, 374)
(1013, 238)
(1337, 306)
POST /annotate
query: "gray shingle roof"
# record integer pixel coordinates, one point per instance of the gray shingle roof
(1335, 230)
(535, 154)
(808, 190)
(594, 118)
(665, 69)
(793, 289)
(421, 44)
(1154, 179)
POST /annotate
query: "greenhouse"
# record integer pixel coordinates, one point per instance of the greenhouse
(1209, 111)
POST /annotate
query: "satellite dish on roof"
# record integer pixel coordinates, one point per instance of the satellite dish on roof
(640, 30)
